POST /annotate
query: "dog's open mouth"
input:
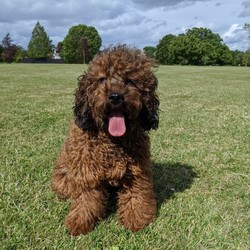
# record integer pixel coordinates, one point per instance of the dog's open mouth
(117, 126)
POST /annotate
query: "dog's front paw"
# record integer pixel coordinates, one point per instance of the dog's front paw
(77, 224)
(137, 217)
(85, 212)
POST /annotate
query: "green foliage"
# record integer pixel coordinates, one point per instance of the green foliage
(164, 50)
(240, 58)
(11, 52)
(40, 46)
(237, 58)
(246, 58)
(198, 46)
(1, 51)
(20, 55)
(81, 44)
(9, 49)
(149, 51)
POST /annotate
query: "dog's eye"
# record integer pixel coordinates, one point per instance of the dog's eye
(102, 80)
(129, 81)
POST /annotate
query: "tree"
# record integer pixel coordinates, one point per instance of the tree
(81, 44)
(247, 28)
(237, 58)
(84, 49)
(247, 54)
(20, 54)
(183, 51)
(40, 46)
(164, 50)
(198, 46)
(149, 51)
(209, 46)
(1, 51)
(246, 58)
(59, 48)
(9, 49)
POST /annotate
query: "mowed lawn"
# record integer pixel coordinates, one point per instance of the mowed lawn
(200, 156)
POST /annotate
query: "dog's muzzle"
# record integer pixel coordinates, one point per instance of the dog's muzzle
(116, 98)
(116, 126)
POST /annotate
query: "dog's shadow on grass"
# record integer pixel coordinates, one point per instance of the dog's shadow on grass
(170, 178)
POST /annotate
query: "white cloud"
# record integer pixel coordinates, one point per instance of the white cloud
(235, 35)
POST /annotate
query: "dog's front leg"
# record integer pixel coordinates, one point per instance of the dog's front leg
(137, 205)
(85, 211)
(68, 179)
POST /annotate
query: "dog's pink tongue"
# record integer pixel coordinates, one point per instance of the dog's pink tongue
(117, 125)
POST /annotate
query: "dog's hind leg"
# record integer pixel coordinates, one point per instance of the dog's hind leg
(60, 180)
(86, 211)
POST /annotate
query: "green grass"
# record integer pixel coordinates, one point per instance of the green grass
(200, 159)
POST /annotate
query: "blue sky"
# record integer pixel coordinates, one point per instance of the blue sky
(134, 22)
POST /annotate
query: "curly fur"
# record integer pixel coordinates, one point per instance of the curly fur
(92, 159)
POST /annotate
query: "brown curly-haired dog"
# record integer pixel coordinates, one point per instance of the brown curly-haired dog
(108, 144)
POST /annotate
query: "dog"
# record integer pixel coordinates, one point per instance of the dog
(108, 143)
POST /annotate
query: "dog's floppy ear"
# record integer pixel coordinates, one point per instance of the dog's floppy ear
(82, 111)
(149, 113)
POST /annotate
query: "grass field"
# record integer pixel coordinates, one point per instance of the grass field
(200, 154)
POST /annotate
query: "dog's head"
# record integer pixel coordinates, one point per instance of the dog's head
(117, 93)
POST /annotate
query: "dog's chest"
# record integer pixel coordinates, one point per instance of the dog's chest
(113, 159)
(104, 158)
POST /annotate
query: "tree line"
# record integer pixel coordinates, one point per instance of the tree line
(79, 46)
(197, 46)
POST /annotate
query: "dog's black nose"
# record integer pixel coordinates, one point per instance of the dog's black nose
(116, 98)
